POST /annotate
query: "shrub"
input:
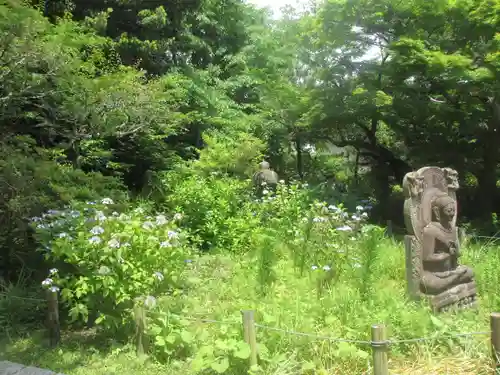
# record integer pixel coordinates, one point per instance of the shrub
(211, 205)
(115, 259)
(30, 183)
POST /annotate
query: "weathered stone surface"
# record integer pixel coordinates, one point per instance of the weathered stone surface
(432, 245)
(11, 368)
(265, 178)
(35, 371)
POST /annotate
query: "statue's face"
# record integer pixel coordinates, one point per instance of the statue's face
(449, 211)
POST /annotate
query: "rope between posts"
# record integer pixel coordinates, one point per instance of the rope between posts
(326, 338)
(304, 334)
(210, 321)
(191, 319)
(364, 342)
(338, 340)
(449, 335)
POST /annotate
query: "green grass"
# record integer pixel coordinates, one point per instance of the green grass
(224, 285)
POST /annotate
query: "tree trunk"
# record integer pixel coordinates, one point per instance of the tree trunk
(356, 169)
(298, 147)
(487, 176)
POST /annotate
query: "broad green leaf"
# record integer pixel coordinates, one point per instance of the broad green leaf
(242, 351)
(220, 366)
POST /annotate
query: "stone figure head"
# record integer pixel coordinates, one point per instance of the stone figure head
(264, 165)
(417, 185)
(443, 208)
(451, 177)
(413, 185)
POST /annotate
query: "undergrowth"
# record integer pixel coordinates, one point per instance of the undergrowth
(304, 266)
(222, 286)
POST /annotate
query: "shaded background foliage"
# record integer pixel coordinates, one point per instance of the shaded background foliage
(142, 99)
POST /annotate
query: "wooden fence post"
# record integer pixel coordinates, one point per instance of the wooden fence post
(53, 317)
(140, 325)
(495, 341)
(249, 334)
(380, 347)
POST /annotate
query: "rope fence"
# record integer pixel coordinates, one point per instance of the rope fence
(379, 343)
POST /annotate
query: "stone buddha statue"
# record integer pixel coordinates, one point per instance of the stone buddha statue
(432, 245)
(440, 250)
(265, 178)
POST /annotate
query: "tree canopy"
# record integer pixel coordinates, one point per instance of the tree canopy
(128, 98)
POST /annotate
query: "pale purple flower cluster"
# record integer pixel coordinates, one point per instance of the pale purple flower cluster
(48, 283)
(92, 218)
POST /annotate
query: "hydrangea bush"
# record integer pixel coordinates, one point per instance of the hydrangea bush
(118, 259)
(320, 235)
(115, 259)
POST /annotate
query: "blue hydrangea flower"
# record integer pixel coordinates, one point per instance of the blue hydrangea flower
(159, 276)
(75, 214)
(172, 234)
(148, 225)
(97, 230)
(104, 270)
(99, 216)
(161, 220)
(344, 228)
(114, 243)
(95, 240)
(150, 301)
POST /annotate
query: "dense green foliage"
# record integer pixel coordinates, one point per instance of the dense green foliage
(159, 112)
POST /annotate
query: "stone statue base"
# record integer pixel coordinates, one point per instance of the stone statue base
(456, 297)
(459, 297)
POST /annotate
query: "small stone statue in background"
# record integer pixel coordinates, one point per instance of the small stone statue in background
(432, 246)
(265, 178)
